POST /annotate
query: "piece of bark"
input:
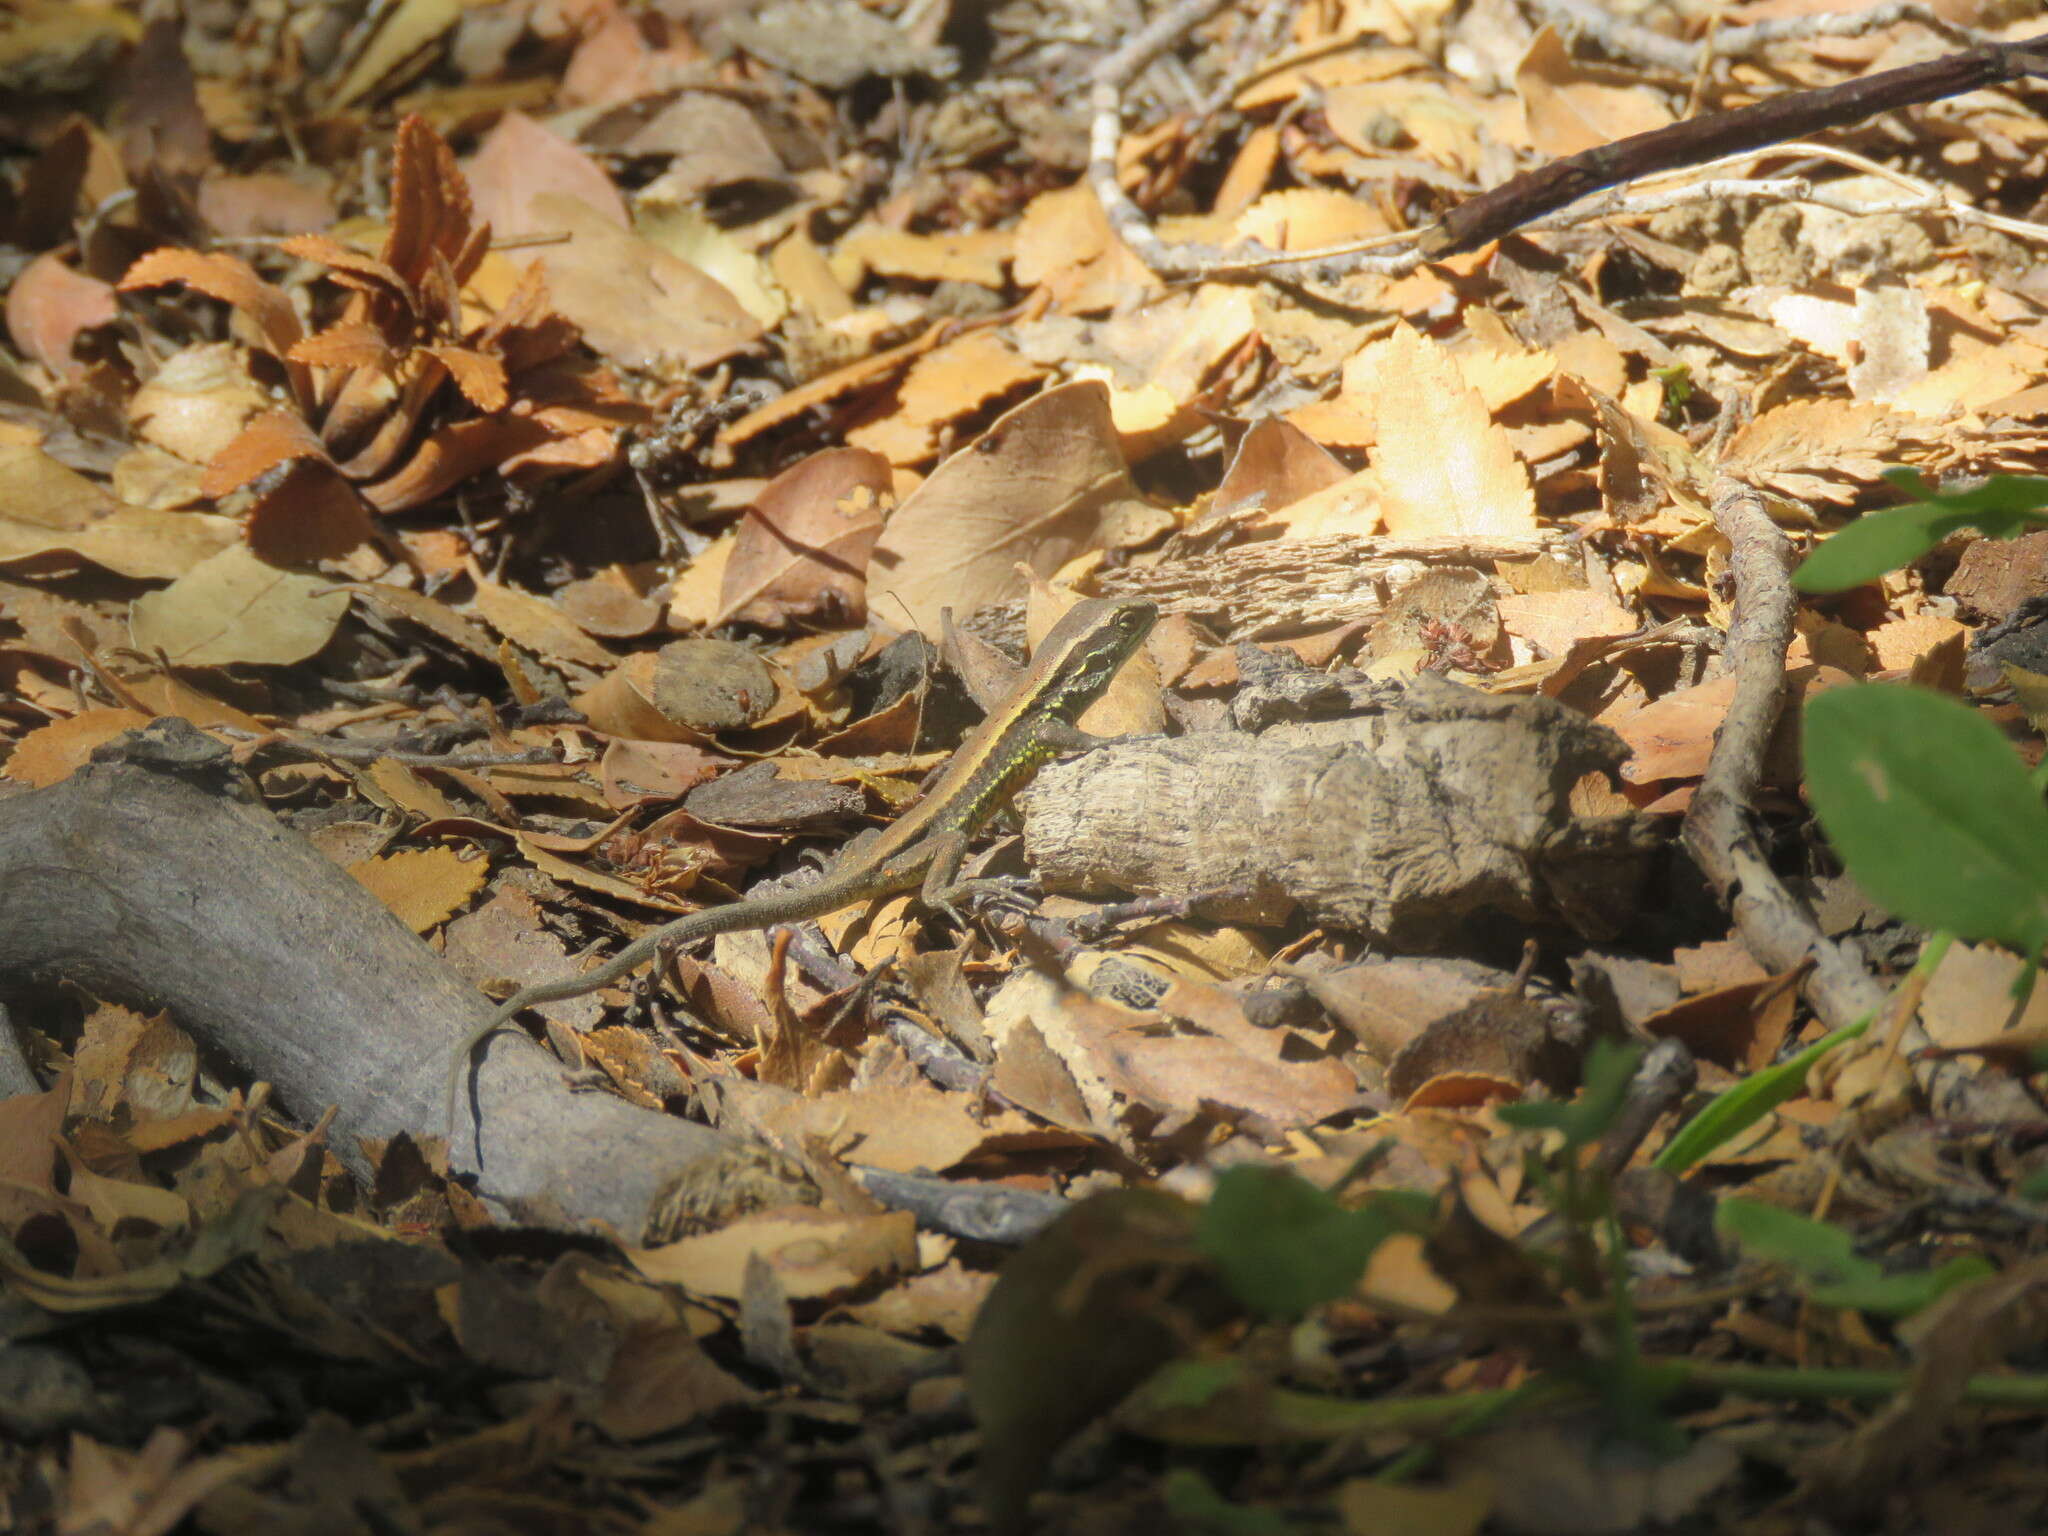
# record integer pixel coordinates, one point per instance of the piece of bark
(1295, 586)
(1396, 824)
(153, 874)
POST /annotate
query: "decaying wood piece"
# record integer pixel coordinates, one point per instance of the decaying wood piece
(1289, 586)
(153, 874)
(1395, 824)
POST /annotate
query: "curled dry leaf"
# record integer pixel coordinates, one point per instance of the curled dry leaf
(200, 400)
(49, 306)
(367, 395)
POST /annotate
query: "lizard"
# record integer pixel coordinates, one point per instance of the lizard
(924, 846)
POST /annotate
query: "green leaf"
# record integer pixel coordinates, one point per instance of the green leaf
(1585, 1120)
(1197, 1507)
(2004, 508)
(1734, 1110)
(1825, 1258)
(1284, 1246)
(1931, 811)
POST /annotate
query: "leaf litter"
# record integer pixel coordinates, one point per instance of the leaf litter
(416, 452)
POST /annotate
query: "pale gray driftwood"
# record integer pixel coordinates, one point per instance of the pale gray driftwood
(154, 875)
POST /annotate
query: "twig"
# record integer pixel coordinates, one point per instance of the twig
(1548, 188)
(370, 752)
(1776, 926)
(1921, 196)
(1259, 35)
(1718, 831)
(1195, 262)
(1548, 193)
(1621, 39)
(1785, 190)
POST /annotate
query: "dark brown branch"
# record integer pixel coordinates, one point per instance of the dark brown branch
(1548, 188)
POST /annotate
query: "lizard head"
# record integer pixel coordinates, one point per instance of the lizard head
(1086, 648)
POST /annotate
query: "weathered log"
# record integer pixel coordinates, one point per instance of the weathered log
(154, 875)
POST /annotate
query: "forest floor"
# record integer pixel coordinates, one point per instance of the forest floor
(1529, 1027)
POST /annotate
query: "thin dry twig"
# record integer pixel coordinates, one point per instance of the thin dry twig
(1192, 262)
(1922, 197)
(1622, 39)
(1549, 188)
(1555, 196)
(1776, 926)
(371, 752)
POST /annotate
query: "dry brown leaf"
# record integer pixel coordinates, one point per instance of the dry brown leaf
(612, 604)
(199, 399)
(166, 693)
(129, 541)
(267, 203)
(453, 453)
(1443, 464)
(956, 256)
(635, 772)
(53, 752)
(621, 704)
(349, 344)
(1828, 450)
(1064, 244)
(1553, 622)
(424, 887)
(941, 387)
(431, 614)
(274, 438)
(857, 375)
(1037, 487)
(1275, 466)
(813, 1253)
(1903, 643)
(633, 301)
(49, 305)
(1967, 1004)
(708, 141)
(1574, 106)
(801, 555)
(536, 625)
(1305, 218)
(1973, 377)
(519, 161)
(408, 791)
(403, 32)
(234, 608)
(227, 278)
